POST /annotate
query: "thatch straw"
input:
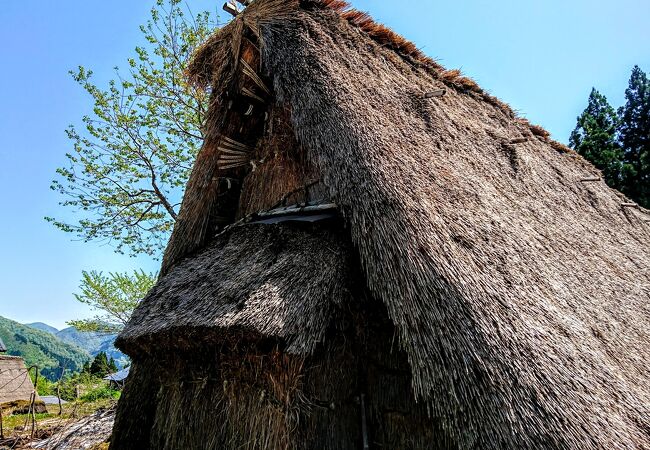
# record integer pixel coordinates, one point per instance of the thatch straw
(268, 280)
(266, 340)
(16, 386)
(519, 293)
(496, 281)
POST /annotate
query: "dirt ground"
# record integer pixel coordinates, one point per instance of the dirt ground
(80, 426)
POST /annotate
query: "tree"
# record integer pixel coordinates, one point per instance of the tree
(115, 295)
(595, 138)
(126, 172)
(634, 135)
(43, 385)
(100, 367)
(112, 367)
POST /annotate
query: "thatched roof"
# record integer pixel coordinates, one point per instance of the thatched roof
(2, 346)
(15, 383)
(118, 376)
(260, 281)
(517, 280)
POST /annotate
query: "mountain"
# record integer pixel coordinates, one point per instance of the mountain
(43, 327)
(41, 348)
(94, 343)
(91, 342)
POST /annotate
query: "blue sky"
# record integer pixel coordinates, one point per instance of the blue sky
(542, 57)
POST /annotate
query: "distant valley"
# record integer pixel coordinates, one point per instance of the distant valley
(92, 343)
(51, 349)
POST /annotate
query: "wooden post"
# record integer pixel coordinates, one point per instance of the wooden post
(33, 408)
(58, 391)
(2, 430)
(34, 400)
(58, 396)
(364, 425)
(28, 413)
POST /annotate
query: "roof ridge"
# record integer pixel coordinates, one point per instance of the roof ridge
(452, 78)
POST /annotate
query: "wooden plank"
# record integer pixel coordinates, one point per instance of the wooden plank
(231, 8)
(435, 93)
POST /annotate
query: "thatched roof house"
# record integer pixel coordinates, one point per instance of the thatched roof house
(2, 347)
(16, 386)
(372, 252)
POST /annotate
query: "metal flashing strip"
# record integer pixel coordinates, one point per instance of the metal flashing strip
(310, 218)
(293, 209)
(296, 213)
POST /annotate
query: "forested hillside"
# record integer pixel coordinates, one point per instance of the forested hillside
(41, 348)
(93, 343)
(43, 327)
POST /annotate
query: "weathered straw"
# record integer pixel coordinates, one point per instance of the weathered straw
(519, 293)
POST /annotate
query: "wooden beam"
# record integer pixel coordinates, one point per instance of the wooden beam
(235, 145)
(231, 8)
(230, 151)
(248, 93)
(250, 72)
(435, 93)
(519, 140)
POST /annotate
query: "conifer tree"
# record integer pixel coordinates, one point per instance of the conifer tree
(112, 367)
(595, 138)
(634, 136)
(100, 366)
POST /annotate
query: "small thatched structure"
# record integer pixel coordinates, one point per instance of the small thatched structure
(372, 252)
(16, 386)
